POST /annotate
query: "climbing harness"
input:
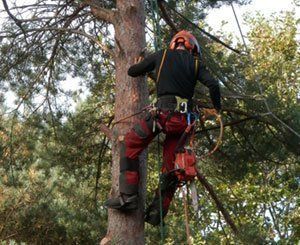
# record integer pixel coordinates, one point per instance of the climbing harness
(173, 104)
(161, 64)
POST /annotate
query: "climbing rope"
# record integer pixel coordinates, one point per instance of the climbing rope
(162, 235)
(156, 26)
(157, 46)
(132, 115)
(186, 214)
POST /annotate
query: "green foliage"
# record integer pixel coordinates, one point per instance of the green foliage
(48, 191)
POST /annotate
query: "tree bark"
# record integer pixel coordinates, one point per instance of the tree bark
(131, 96)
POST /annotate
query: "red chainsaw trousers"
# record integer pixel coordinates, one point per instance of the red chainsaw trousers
(172, 124)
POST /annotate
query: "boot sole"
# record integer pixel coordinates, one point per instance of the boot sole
(125, 207)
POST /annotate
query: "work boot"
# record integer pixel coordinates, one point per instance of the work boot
(123, 202)
(152, 215)
(168, 187)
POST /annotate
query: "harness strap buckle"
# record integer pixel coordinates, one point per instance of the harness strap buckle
(183, 106)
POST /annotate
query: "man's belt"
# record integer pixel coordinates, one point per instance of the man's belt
(174, 103)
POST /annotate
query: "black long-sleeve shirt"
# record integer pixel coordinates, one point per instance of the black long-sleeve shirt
(178, 75)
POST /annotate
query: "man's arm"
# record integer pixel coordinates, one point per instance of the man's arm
(205, 77)
(141, 68)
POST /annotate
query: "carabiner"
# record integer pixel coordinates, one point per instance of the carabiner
(185, 107)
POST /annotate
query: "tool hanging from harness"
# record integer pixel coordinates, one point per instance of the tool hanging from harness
(185, 159)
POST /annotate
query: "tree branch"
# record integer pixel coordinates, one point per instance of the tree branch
(106, 130)
(101, 13)
(17, 21)
(79, 32)
(100, 160)
(166, 17)
(228, 124)
(217, 201)
(275, 223)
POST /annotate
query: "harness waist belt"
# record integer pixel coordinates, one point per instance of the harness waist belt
(174, 103)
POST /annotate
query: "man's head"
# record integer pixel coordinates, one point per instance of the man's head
(187, 40)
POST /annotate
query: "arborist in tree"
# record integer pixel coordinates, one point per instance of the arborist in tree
(177, 70)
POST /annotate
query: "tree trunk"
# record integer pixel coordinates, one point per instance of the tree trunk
(131, 96)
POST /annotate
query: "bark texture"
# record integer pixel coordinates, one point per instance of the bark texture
(131, 96)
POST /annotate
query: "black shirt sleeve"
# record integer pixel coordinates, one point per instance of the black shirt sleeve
(146, 65)
(205, 77)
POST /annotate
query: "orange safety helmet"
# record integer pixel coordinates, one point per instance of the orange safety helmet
(188, 40)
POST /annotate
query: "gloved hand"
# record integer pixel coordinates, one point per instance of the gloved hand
(208, 113)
